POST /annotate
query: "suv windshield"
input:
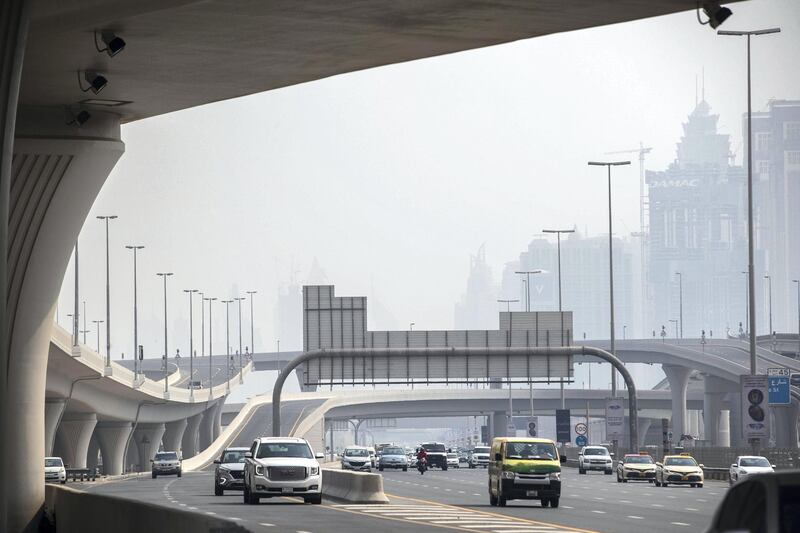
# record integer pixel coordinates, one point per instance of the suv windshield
(233, 456)
(595, 451)
(680, 461)
(284, 449)
(753, 461)
(54, 461)
(439, 448)
(356, 452)
(639, 459)
(166, 456)
(481, 449)
(530, 450)
(393, 451)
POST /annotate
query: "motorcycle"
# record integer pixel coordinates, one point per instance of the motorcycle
(422, 466)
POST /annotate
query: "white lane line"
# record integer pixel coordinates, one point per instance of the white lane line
(680, 524)
(713, 493)
(183, 505)
(567, 507)
(599, 512)
(624, 501)
(691, 509)
(702, 501)
(266, 524)
(656, 505)
(193, 508)
(461, 492)
(210, 512)
(475, 494)
(635, 517)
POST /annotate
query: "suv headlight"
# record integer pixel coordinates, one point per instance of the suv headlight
(508, 475)
(259, 470)
(313, 471)
(555, 476)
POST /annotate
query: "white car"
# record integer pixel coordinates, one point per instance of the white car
(282, 466)
(373, 457)
(747, 465)
(356, 458)
(54, 470)
(479, 456)
(595, 458)
(452, 460)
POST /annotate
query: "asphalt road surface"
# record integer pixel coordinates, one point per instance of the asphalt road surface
(218, 371)
(454, 500)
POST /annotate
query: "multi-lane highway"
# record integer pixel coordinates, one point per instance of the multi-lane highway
(455, 500)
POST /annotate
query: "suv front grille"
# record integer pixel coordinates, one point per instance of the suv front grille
(237, 474)
(287, 473)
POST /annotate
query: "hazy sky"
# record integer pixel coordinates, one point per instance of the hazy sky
(392, 177)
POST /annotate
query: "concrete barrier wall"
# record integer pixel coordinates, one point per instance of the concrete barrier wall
(68, 510)
(353, 487)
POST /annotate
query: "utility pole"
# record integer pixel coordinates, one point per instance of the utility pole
(135, 249)
(239, 353)
(227, 345)
(191, 292)
(165, 275)
(769, 300)
(97, 326)
(252, 341)
(106, 218)
(210, 349)
(85, 330)
(77, 313)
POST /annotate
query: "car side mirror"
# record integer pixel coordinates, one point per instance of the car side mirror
(248, 455)
(580, 454)
(319, 456)
(658, 464)
(563, 459)
(611, 454)
(152, 461)
(773, 466)
(734, 465)
(701, 465)
(498, 457)
(217, 462)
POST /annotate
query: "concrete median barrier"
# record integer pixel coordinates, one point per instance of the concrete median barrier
(353, 487)
(68, 510)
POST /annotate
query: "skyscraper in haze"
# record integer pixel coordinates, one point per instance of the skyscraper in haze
(776, 181)
(478, 306)
(697, 220)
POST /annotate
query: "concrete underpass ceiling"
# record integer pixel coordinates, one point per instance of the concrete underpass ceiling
(182, 54)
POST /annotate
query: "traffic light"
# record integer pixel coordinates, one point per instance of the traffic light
(532, 431)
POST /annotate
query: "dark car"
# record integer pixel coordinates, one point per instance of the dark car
(437, 454)
(166, 463)
(229, 473)
(763, 503)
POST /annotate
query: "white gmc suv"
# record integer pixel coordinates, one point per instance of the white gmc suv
(282, 466)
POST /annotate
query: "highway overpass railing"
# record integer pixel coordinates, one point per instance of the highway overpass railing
(536, 361)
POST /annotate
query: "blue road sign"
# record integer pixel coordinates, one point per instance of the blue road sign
(779, 390)
(581, 440)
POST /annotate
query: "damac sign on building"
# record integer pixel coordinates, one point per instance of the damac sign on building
(675, 183)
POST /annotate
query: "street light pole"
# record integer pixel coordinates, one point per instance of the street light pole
(227, 344)
(239, 300)
(680, 300)
(210, 348)
(202, 325)
(85, 330)
(97, 326)
(106, 218)
(746, 301)
(769, 300)
(252, 341)
(751, 280)
(528, 285)
(558, 233)
(675, 321)
(135, 249)
(191, 292)
(76, 315)
(165, 275)
(798, 315)
(508, 304)
(608, 165)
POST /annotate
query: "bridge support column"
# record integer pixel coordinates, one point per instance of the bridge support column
(53, 407)
(112, 438)
(173, 434)
(499, 424)
(75, 432)
(735, 402)
(714, 428)
(210, 420)
(92, 451)
(644, 427)
(786, 425)
(678, 377)
(217, 425)
(190, 436)
(147, 438)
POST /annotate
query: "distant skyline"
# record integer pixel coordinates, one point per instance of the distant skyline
(391, 177)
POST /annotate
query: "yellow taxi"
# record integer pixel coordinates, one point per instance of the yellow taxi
(636, 467)
(679, 470)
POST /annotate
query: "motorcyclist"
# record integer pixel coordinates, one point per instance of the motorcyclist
(422, 459)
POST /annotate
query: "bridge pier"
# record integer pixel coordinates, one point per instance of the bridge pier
(147, 438)
(74, 434)
(735, 402)
(189, 444)
(678, 377)
(786, 425)
(644, 427)
(112, 438)
(173, 434)
(209, 426)
(92, 451)
(713, 399)
(53, 407)
(498, 424)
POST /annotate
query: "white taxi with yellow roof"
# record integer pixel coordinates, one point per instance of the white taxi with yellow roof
(636, 467)
(679, 470)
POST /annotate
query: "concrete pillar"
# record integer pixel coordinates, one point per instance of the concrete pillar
(786, 425)
(715, 390)
(644, 427)
(678, 377)
(74, 432)
(53, 407)
(92, 451)
(735, 403)
(217, 426)
(207, 434)
(724, 431)
(499, 423)
(132, 457)
(112, 438)
(173, 435)
(147, 438)
(189, 444)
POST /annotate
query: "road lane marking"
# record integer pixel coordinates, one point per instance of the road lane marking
(635, 517)
(691, 509)
(599, 512)
(266, 524)
(680, 524)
